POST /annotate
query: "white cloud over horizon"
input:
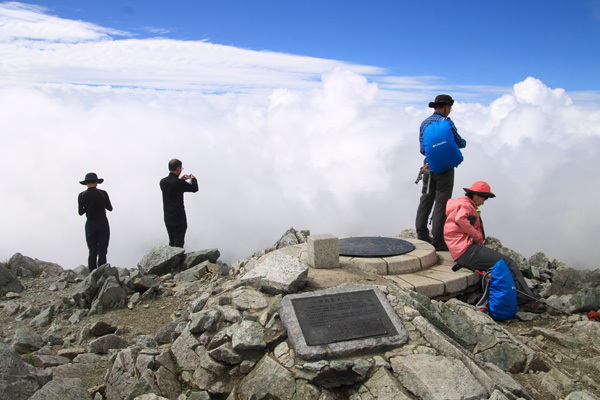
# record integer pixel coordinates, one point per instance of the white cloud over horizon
(276, 140)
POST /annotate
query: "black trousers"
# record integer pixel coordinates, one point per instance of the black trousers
(440, 191)
(177, 234)
(97, 236)
(481, 258)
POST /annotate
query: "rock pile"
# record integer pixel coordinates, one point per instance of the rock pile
(104, 335)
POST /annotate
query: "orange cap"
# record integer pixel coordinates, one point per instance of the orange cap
(481, 188)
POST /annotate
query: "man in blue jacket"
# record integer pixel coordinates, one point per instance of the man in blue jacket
(93, 203)
(173, 187)
(437, 188)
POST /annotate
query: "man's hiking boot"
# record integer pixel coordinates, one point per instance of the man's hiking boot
(441, 247)
(424, 238)
(533, 307)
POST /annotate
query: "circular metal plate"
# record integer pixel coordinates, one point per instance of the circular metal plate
(374, 246)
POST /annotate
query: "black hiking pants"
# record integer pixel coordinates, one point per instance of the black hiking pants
(481, 258)
(440, 191)
(97, 235)
(177, 234)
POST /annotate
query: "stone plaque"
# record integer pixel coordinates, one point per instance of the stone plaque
(343, 316)
(339, 322)
(374, 246)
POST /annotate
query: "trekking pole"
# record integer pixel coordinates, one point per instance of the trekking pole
(421, 172)
(428, 183)
(528, 295)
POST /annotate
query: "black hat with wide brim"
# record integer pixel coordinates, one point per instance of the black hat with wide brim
(91, 177)
(441, 100)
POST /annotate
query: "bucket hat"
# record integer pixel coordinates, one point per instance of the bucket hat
(481, 188)
(91, 177)
(441, 100)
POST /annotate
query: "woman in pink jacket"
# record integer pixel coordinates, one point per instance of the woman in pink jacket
(464, 236)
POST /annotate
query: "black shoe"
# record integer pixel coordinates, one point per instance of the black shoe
(425, 239)
(533, 307)
(441, 248)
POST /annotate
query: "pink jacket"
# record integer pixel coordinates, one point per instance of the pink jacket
(463, 226)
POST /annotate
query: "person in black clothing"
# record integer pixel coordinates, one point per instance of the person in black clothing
(173, 187)
(93, 203)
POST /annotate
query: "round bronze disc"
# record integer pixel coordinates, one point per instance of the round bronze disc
(374, 246)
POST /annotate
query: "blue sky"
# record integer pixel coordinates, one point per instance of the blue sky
(463, 42)
(294, 116)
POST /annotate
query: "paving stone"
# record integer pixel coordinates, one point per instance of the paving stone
(424, 285)
(400, 282)
(403, 264)
(428, 258)
(471, 277)
(453, 283)
(420, 244)
(373, 265)
(444, 257)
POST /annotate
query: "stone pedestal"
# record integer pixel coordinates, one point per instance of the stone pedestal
(323, 251)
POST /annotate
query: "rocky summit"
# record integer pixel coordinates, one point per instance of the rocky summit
(185, 326)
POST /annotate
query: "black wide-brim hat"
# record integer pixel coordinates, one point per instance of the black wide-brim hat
(441, 100)
(91, 177)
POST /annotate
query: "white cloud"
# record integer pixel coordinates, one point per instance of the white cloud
(24, 21)
(276, 140)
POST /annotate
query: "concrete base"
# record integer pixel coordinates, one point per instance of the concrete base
(323, 251)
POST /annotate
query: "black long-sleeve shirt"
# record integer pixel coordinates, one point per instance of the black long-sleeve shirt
(173, 189)
(93, 203)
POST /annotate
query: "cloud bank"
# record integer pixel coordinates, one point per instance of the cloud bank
(276, 140)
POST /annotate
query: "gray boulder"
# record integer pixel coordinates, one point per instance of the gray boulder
(204, 321)
(519, 258)
(291, 237)
(571, 281)
(82, 366)
(161, 259)
(111, 295)
(164, 334)
(384, 386)
(268, 380)
(44, 318)
(278, 273)
(249, 335)
(198, 257)
(49, 268)
(24, 266)
(136, 373)
(248, 300)
(193, 274)
(25, 341)
(87, 290)
(436, 377)
(81, 271)
(101, 328)
(19, 380)
(584, 300)
(145, 282)
(187, 351)
(44, 361)
(9, 281)
(103, 344)
(62, 389)
(150, 396)
(538, 264)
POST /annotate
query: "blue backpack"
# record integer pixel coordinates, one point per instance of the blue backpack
(441, 150)
(500, 293)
